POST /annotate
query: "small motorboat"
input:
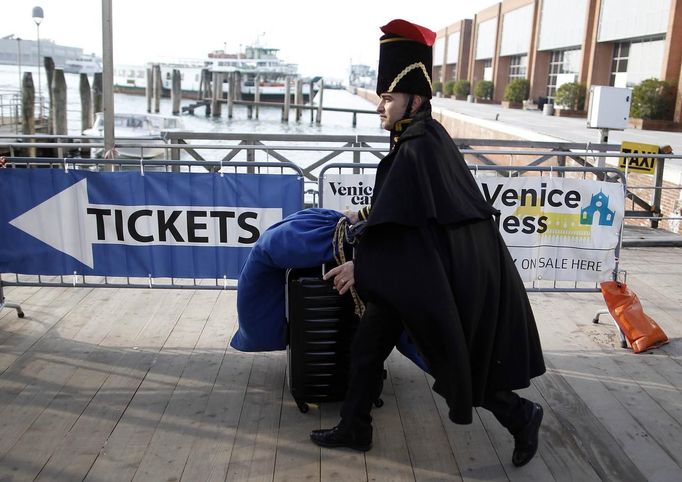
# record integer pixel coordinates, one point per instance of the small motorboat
(137, 136)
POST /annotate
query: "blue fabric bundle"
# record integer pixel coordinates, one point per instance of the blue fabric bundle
(301, 240)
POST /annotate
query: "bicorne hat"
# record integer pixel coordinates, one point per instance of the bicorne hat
(405, 58)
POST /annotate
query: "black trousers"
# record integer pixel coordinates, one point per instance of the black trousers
(378, 333)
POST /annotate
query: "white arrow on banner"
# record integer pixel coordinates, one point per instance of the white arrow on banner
(69, 223)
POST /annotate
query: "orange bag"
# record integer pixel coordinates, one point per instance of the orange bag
(640, 330)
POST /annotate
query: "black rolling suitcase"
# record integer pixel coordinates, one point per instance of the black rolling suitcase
(321, 327)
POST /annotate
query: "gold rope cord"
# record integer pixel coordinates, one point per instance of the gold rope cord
(406, 71)
(340, 257)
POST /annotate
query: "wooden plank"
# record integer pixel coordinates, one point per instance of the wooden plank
(559, 448)
(253, 454)
(339, 464)
(85, 367)
(427, 441)
(210, 455)
(76, 453)
(471, 446)
(210, 452)
(169, 448)
(127, 444)
(594, 376)
(503, 443)
(13, 294)
(32, 382)
(638, 395)
(44, 309)
(24, 368)
(298, 458)
(389, 459)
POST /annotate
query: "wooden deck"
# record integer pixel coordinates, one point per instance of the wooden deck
(123, 384)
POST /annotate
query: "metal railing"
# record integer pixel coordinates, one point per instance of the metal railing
(312, 152)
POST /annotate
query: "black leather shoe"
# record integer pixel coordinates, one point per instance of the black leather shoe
(526, 440)
(337, 437)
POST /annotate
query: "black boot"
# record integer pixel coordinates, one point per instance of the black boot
(339, 437)
(526, 439)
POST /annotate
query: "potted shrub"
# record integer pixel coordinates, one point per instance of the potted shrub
(515, 93)
(653, 105)
(437, 88)
(461, 88)
(483, 91)
(570, 98)
(447, 89)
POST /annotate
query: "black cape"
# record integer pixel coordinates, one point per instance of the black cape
(432, 251)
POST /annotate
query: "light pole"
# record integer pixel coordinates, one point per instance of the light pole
(19, 59)
(37, 18)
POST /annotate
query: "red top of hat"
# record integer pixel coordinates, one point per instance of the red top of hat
(411, 31)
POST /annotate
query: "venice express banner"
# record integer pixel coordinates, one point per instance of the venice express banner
(557, 228)
(193, 225)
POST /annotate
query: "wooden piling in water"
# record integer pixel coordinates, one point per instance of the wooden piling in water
(48, 63)
(60, 124)
(97, 92)
(176, 91)
(287, 99)
(149, 89)
(298, 99)
(86, 102)
(216, 93)
(86, 108)
(231, 85)
(28, 99)
(237, 86)
(256, 97)
(157, 87)
(204, 92)
(312, 95)
(318, 119)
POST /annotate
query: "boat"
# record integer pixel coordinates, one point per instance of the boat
(361, 76)
(255, 64)
(85, 64)
(130, 79)
(143, 129)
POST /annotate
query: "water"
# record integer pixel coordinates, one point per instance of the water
(333, 123)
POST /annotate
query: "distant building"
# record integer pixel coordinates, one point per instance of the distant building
(362, 76)
(10, 47)
(551, 42)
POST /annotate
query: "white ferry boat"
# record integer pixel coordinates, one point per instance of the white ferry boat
(255, 64)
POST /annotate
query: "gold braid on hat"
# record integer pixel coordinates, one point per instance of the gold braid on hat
(407, 70)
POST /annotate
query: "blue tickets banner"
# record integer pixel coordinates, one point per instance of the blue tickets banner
(186, 225)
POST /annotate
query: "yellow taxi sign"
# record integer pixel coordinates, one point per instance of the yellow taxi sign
(639, 163)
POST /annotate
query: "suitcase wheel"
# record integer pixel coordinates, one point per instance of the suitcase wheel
(378, 403)
(302, 406)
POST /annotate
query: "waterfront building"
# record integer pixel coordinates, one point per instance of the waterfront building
(451, 52)
(10, 46)
(551, 42)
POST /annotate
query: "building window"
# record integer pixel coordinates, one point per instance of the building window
(451, 72)
(636, 61)
(517, 67)
(619, 64)
(563, 66)
(488, 69)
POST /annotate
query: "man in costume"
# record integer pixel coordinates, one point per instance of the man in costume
(432, 262)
